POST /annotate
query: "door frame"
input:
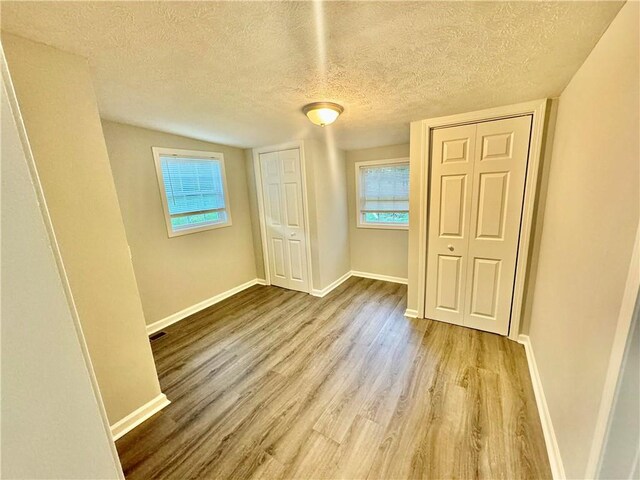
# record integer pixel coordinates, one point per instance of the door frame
(420, 154)
(299, 144)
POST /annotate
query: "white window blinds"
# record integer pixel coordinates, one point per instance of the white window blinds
(194, 190)
(385, 188)
(192, 185)
(383, 194)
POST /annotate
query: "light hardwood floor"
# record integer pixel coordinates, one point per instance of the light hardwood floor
(276, 384)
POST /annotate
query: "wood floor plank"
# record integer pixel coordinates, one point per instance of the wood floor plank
(276, 384)
(267, 468)
(354, 456)
(314, 459)
(345, 404)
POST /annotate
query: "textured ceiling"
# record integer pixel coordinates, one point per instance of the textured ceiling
(239, 72)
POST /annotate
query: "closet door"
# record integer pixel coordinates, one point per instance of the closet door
(500, 166)
(450, 204)
(284, 219)
(477, 189)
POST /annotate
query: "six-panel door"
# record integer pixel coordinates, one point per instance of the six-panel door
(450, 202)
(477, 188)
(284, 219)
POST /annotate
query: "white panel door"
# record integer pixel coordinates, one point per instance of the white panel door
(477, 188)
(284, 219)
(450, 202)
(500, 167)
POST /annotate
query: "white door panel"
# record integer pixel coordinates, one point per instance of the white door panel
(484, 294)
(292, 203)
(477, 188)
(448, 283)
(278, 266)
(274, 218)
(453, 193)
(285, 223)
(450, 200)
(499, 174)
(296, 255)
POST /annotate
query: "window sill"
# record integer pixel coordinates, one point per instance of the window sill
(381, 226)
(187, 231)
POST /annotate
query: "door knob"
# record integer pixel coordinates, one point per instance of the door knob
(450, 247)
(292, 234)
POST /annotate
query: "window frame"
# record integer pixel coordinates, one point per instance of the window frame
(360, 223)
(196, 154)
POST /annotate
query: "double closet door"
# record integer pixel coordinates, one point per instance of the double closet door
(477, 189)
(286, 229)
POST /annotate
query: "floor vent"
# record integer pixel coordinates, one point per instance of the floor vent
(157, 335)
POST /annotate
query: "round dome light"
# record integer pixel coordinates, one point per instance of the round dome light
(322, 113)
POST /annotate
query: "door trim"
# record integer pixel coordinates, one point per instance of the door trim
(299, 144)
(420, 154)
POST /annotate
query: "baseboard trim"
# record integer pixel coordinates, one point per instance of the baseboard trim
(411, 313)
(550, 440)
(376, 276)
(176, 317)
(333, 285)
(354, 273)
(135, 418)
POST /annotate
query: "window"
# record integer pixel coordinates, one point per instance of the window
(193, 187)
(382, 191)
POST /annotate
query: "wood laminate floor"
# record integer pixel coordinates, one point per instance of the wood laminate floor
(273, 384)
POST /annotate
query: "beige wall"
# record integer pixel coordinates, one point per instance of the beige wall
(176, 273)
(328, 225)
(59, 109)
(51, 423)
(379, 251)
(590, 223)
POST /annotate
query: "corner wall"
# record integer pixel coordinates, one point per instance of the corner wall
(589, 227)
(328, 225)
(255, 214)
(176, 273)
(43, 433)
(375, 250)
(58, 105)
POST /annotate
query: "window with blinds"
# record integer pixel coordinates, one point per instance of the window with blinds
(194, 190)
(383, 193)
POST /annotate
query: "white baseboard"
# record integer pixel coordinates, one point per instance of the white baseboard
(353, 273)
(376, 276)
(331, 286)
(176, 317)
(550, 440)
(411, 313)
(138, 416)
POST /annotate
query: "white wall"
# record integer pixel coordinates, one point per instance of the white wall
(379, 251)
(51, 421)
(589, 227)
(55, 94)
(179, 272)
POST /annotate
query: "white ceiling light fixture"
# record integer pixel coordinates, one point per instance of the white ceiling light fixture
(322, 113)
